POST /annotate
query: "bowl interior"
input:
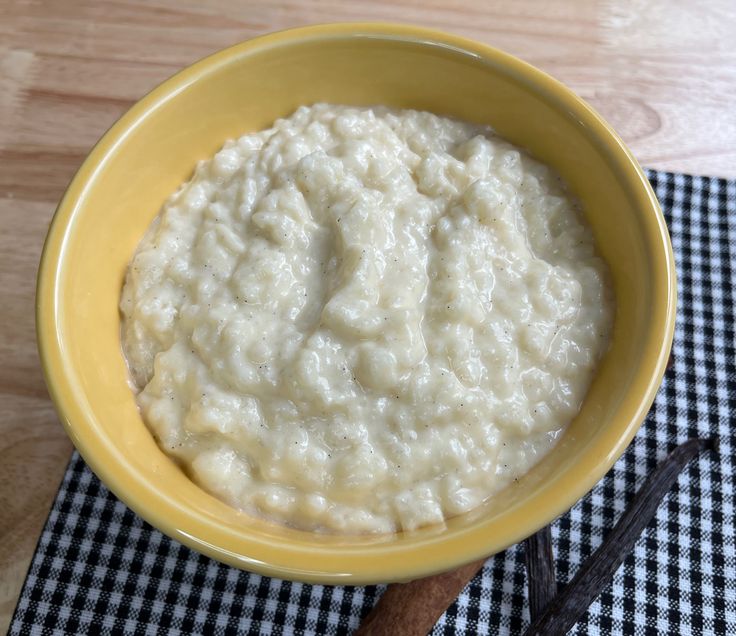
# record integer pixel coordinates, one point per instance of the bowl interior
(122, 185)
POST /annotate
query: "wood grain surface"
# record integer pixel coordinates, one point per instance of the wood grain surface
(662, 72)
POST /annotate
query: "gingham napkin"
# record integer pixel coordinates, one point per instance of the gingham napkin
(100, 569)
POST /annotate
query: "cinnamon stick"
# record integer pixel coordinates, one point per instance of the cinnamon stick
(412, 609)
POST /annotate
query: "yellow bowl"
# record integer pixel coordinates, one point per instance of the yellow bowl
(154, 147)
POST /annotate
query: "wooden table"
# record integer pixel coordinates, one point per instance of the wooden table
(663, 73)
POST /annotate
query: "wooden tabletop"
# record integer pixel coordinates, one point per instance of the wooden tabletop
(663, 73)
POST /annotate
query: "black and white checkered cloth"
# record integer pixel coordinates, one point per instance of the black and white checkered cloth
(100, 569)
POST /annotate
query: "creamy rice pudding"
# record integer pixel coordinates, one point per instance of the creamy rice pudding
(364, 320)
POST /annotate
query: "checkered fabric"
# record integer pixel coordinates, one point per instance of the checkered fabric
(100, 569)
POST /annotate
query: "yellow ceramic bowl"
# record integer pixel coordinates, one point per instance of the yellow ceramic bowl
(153, 148)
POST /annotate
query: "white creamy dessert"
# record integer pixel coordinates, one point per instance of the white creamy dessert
(364, 320)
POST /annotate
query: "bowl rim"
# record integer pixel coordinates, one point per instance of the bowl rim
(363, 566)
